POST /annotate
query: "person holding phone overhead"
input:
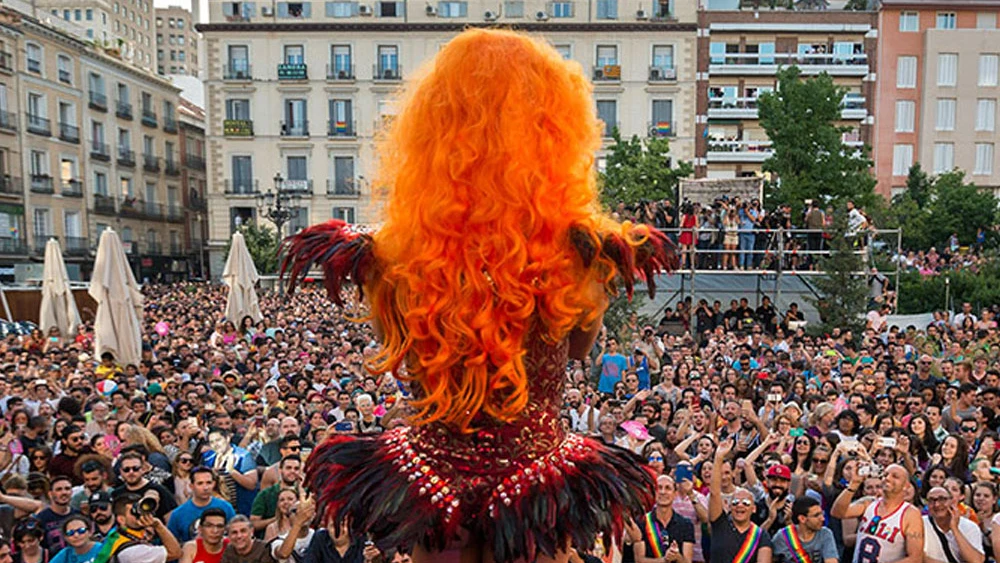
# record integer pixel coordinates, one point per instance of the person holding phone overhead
(666, 535)
(735, 538)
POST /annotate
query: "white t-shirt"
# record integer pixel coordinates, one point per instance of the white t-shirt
(933, 551)
(301, 546)
(143, 553)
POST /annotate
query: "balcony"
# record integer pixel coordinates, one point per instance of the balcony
(126, 157)
(154, 248)
(765, 64)
(241, 187)
(662, 74)
(339, 72)
(41, 184)
(237, 70)
(170, 167)
(149, 118)
(6, 62)
(76, 246)
(39, 125)
(72, 188)
(198, 204)
(153, 210)
(98, 101)
(132, 207)
(169, 124)
(237, 127)
(8, 121)
(342, 128)
(298, 187)
(123, 110)
(150, 163)
(69, 133)
(177, 250)
(660, 128)
(342, 189)
(853, 107)
(738, 151)
(194, 162)
(732, 108)
(13, 246)
(608, 73)
(104, 204)
(40, 242)
(387, 72)
(293, 71)
(11, 186)
(174, 213)
(296, 129)
(100, 151)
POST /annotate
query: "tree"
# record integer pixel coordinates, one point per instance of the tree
(639, 169)
(263, 244)
(858, 5)
(810, 160)
(843, 287)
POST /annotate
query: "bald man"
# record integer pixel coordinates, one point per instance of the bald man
(889, 528)
(734, 536)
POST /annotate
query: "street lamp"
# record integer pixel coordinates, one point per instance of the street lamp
(279, 206)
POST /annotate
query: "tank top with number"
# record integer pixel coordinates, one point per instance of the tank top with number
(884, 542)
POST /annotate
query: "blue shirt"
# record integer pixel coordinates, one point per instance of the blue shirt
(612, 367)
(244, 463)
(183, 518)
(69, 555)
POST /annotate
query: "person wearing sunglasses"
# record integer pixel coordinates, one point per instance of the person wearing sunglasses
(99, 510)
(948, 536)
(889, 528)
(734, 535)
(80, 546)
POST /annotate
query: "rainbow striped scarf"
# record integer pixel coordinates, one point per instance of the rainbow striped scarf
(795, 545)
(654, 536)
(749, 547)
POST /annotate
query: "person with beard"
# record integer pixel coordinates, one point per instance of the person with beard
(807, 540)
(774, 503)
(734, 535)
(666, 535)
(74, 445)
(99, 509)
(890, 529)
(583, 417)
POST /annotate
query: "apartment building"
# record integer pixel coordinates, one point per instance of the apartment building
(937, 91)
(123, 26)
(740, 52)
(194, 185)
(176, 42)
(73, 118)
(300, 88)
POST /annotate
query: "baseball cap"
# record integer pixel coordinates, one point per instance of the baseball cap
(780, 471)
(99, 498)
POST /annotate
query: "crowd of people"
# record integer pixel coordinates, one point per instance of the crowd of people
(768, 444)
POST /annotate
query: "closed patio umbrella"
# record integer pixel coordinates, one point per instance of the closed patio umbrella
(58, 306)
(117, 326)
(241, 276)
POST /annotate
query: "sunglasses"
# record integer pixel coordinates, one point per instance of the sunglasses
(185, 460)
(821, 460)
(135, 469)
(654, 458)
(873, 527)
(969, 429)
(94, 507)
(76, 532)
(39, 457)
(741, 501)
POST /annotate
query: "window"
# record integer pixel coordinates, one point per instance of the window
(390, 9)
(42, 223)
(909, 21)
(388, 61)
(607, 55)
(565, 50)
(295, 119)
(239, 61)
(945, 114)
(986, 20)
(947, 69)
(341, 9)
(986, 111)
(513, 8)
(124, 139)
(33, 55)
(36, 106)
(294, 9)
(101, 183)
(90, 14)
(345, 214)
(663, 57)
(988, 64)
(71, 224)
(38, 163)
(906, 72)
(77, 14)
(902, 159)
(181, 56)
(905, 111)
(340, 55)
(147, 102)
(984, 159)
(944, 157)
(946, 20)
(607, 111)
(561, 9)
(65, 69)
(295, 54)
(607, 9)
(452, 9)
(242, 174)
(238, 109)
(97, 132)
(343, 174)
(341, 118)
(663, 118)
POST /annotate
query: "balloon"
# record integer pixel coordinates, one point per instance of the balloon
(162, 328)
(106, 387)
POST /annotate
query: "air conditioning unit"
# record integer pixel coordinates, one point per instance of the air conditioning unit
(641, 15)
(266, 11)
(431, 10)
(490, 16)
(541, 16)
(365, 10)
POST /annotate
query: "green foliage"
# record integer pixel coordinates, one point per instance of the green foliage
(925, 294)
(844, 292)
(931, 209)
(858, 5)
(638, 169)
(263, 244)
(810, 160)
(621, 309)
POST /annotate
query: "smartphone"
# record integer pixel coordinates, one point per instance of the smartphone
(887, 442)
(344, 426)
(258, 421)
(683, 471)
(796, 432)
(865, 470)
(774, 397)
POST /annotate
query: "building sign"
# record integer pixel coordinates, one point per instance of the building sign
(237, 128)
(292, 71)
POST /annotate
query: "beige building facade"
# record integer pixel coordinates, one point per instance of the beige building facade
(124, 26)
(176, 42)
(300, 89)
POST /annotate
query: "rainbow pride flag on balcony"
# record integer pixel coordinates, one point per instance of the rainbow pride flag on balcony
(662, 128)
(340, 127)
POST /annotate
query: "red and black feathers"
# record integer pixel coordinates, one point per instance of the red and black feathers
(342, 252)
(656, 254)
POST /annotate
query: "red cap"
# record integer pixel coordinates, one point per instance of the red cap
(780, 471)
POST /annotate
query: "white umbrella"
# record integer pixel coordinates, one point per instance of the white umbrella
(241, 276)
(58, 306)
(117, 327)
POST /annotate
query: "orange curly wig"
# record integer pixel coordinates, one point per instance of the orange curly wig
(488, 167)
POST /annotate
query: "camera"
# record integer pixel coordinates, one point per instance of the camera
(145, 505)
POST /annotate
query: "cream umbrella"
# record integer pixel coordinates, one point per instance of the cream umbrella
(58, 306)
(117, 326)
(241, 276)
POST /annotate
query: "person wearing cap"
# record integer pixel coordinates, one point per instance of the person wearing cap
(99, 510)
(774, 503)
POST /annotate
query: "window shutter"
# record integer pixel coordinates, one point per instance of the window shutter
(249, 9)
(282, 9)
(463, 9)
(330, 9)
(307, 9)
(355, 8)
(227, 8)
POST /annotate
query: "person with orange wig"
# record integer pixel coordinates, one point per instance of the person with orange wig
(493, 266)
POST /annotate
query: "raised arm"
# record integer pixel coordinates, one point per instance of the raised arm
(843, 507)
(715, 487)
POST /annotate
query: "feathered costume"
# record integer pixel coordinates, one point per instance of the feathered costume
(480, 315)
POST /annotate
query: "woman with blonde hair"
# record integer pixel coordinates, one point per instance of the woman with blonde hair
(288, 499)
(135, 434)
(492, 267)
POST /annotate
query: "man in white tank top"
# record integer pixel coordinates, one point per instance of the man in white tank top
(889, 529)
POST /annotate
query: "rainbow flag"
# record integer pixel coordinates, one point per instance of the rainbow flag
(663, 128)
(340, 127)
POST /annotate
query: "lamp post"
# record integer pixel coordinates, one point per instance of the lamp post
(279, 206)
